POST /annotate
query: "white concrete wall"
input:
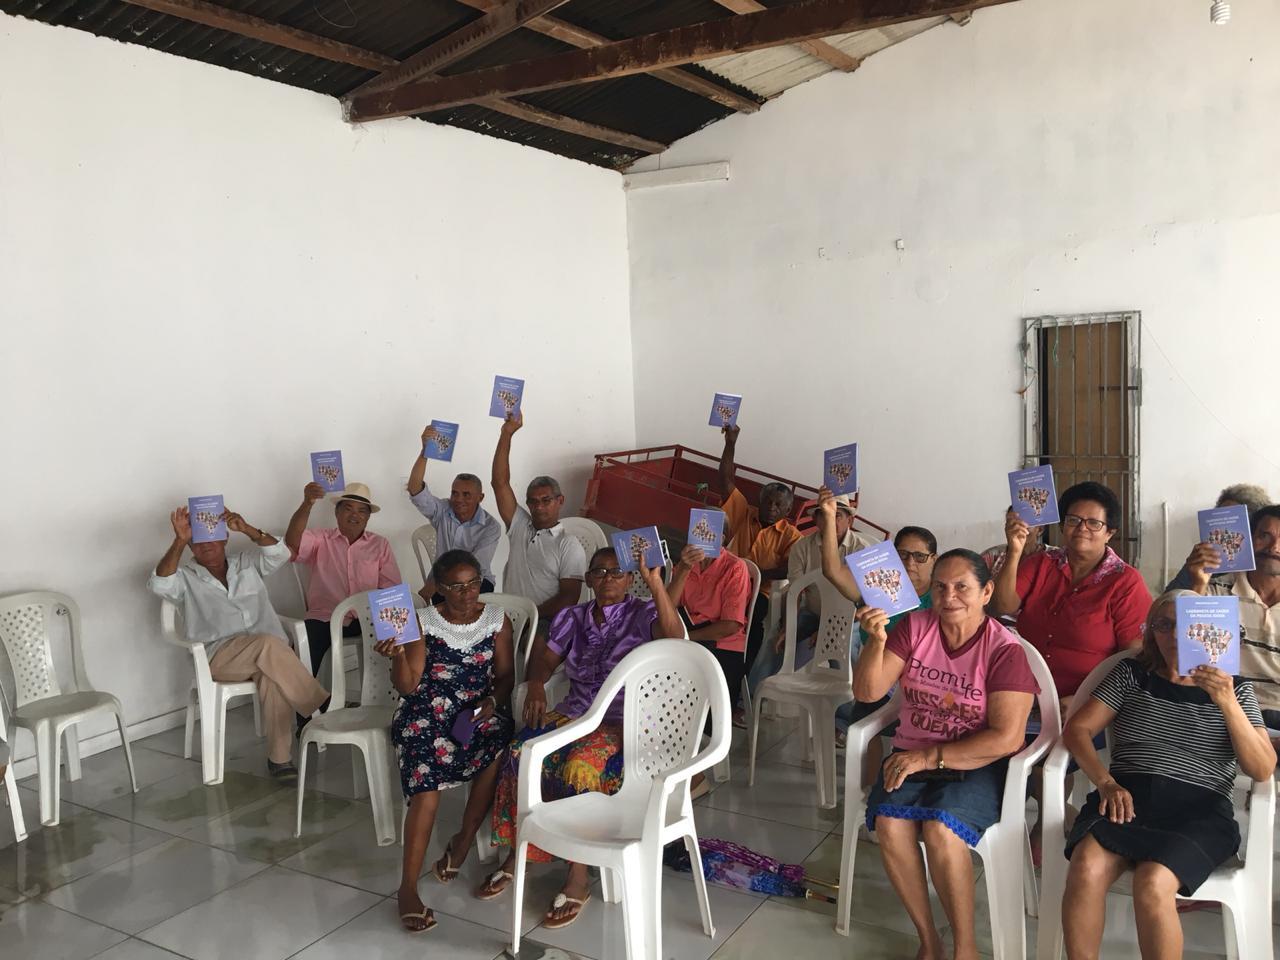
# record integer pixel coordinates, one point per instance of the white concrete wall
(1048, 158)
(206, 276)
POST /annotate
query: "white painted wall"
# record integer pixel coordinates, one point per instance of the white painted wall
(1048, 158)
(206, 276)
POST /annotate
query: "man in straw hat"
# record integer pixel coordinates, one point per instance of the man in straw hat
(344, 560)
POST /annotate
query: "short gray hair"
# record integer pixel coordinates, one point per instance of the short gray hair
(470, 478)
(537, 482)
(775, 488)
(1249, 494)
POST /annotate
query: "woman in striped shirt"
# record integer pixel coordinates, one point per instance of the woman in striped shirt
(1164, 806)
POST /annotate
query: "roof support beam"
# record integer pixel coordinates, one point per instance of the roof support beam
(805, 20)
(826, 52)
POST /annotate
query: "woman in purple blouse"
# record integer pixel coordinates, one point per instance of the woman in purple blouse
(590, 640)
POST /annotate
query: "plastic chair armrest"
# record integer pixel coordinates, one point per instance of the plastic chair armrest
(535, 751)
(301, 645)
(1262, 813)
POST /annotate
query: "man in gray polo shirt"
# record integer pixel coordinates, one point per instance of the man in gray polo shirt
(545, 564)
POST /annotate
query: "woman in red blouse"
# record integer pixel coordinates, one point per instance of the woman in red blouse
(1080, 603)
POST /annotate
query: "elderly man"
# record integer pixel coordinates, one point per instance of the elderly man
(1238, 495)
(459, 522)
(225, 606)
(1259, 593)
(344, 560)
(545, 563)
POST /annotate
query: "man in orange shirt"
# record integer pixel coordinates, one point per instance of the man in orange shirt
(762, 534)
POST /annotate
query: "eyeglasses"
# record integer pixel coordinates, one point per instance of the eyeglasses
(1163, 625)
(456, 588)
(1071, 521)
(915, 555)
(612, 573)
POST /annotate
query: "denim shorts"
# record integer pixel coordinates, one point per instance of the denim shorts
(967, 807)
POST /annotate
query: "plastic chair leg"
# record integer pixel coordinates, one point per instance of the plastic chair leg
(359, 778)
(193, 711)
(848, 858)
(824, 760)
(210, 744)
(610, 885)
(1253, 932)
(699, 882)
(1030, 895)
(302, 782)
(517, 898)
(755, 737)
(640, 914)
(128, 752)
(12, 797)
(377, 765)
(806, 719)
(72, 735)
(486, 852)
(257, 714)
(48, 761)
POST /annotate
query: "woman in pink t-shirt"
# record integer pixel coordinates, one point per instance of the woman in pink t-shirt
(967, 691)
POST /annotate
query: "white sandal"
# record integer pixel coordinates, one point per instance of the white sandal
(559, 903)
(498, 876)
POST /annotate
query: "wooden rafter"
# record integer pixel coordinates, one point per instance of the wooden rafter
(805, 20)
(826, 52)
(244, 25)
(584, 39)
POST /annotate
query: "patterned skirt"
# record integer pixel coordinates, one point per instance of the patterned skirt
(590, 765)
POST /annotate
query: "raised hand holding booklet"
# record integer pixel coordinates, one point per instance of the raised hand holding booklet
(326, 470)
(883, 579)
(394, 617)
(840, 469)
(1033, 496)
(1227, 528)
(636, 546)
(440, 447)
(724, 410)
(207, 523)
(505, 402)
(1208, 633)
(706, 530)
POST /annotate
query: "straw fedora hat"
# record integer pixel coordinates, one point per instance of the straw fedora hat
(358, 492)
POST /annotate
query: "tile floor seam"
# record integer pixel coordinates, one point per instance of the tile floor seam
(254, 876)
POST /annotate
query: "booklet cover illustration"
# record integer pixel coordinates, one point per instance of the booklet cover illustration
(326, 470)
(636, 546)
(393, 615)
(883, 579)
(207, 523)
(1227, 528)
(507, 392)
(440, 447)
(724, 410)
(1208, 633)
(840, 469)
(1034, 498)
(706, 530)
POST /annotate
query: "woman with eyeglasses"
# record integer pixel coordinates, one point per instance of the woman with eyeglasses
(454, 721)
(590, 639)
(1162, 806)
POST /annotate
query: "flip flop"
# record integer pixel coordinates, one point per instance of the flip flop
(559, 902)
(498, 876)
(701, 790)
(425, 916)
(449, 871)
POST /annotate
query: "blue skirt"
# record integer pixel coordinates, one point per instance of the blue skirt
(967, 807)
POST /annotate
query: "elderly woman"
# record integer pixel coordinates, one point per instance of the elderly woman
(1164, 806)
(967, 691)
(1079, 603)
(590, 639)
(454, 721)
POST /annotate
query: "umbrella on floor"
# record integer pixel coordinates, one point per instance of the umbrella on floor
(730, 864)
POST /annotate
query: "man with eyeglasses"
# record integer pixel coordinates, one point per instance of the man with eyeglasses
(1259, 593)
(545, 563)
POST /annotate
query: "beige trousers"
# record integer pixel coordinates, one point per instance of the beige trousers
(285, 685)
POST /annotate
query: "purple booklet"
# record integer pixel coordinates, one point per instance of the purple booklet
(1032, 494)
(440, 447)
(883, 579)
(394, 617)
(464, 727)
(1208, 633)
(326, 470)
(706, 530)
(507, 392)
(840, 469)
(207, 523)
(724, 410)
(633, 546)
(1227, 528)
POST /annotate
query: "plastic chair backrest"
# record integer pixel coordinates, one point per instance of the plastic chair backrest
(753, 571)
(523, 614)
(26, 620)
(588, 533)
(834, 640)
(423, 540)
(639, 589)
(376, 688)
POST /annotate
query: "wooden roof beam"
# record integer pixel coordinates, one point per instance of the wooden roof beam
(826, 52)
(805, 20)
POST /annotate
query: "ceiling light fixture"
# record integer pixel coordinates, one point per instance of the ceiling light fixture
(1219, 12)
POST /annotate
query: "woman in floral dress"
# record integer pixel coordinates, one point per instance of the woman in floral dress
(464, 662)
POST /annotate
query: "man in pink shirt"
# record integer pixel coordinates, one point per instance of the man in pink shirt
(344, 560)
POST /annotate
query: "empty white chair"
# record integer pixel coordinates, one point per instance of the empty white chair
(1004, 849)
(670, 686)
(366, 727)
(592, 538)
(11, 784)
(825, 683)
(1243, 888)
(424, 548)
(26, 621)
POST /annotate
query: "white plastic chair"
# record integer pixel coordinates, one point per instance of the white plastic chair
(821, 687)
(1004, 848)
(592, 538)
(670, 685)
(423, 540)
(367, 727)
(41, 705)
(1243, 888)
(11, 789)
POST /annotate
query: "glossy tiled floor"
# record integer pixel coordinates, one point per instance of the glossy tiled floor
(180, 869)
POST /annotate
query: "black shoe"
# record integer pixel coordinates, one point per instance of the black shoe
(282, 772)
